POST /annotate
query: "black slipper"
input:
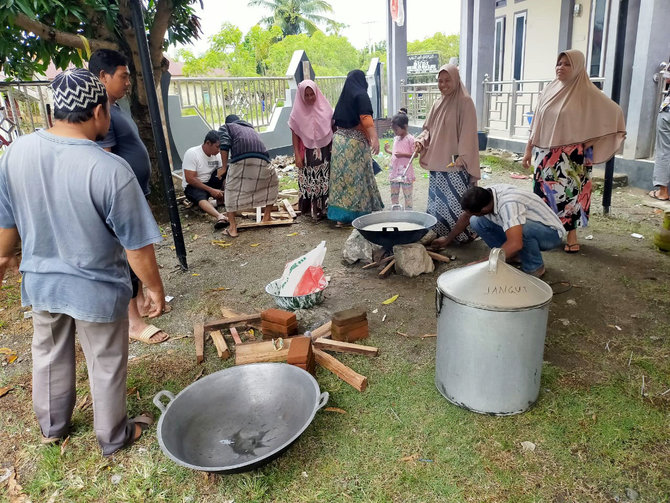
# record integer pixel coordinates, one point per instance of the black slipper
(571, 248)
(654, 195)
(221, 224)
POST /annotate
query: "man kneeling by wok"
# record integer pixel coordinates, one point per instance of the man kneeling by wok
(513, 219)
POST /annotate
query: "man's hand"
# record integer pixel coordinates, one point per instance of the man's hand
(216, 194)
(157, 299)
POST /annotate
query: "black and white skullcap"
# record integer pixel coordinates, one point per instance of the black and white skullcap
(76, 90)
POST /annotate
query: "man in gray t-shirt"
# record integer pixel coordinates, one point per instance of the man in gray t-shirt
(91, 216)
(124, 140)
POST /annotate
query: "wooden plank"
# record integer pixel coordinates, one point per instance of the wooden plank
(227, 322)
(199, 337)
(289, 208)
(236, 336)
(220, 343)
(345, 347)
(338, 368)
(322, 331)
(274, 214)
(265, 351)
(387, 270)
(249, 225)
(438, 257)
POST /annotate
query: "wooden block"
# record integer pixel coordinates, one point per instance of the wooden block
(338, 368)
(322, 331)
(344, 329)
(249, 225)
(259, 214)
(272, 329)
(220, 343)
(279, 316)
(199, 337)
(348, 316)
(345, 347)
(266, 351)
(352, 335)
(301, 350)
(235, 335)
(289, 208)
(438, 257)
(226, 322)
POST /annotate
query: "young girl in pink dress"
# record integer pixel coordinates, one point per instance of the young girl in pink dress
(403, 146)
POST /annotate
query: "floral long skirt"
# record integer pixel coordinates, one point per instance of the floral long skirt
(313, 181)
(563, 180)
(353, 189)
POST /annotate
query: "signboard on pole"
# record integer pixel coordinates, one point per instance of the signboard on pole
(423, 63)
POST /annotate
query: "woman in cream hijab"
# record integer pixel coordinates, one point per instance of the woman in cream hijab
(575, 126)
(450, 151)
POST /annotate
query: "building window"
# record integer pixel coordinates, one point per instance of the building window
(500, 3)
(499, 49)
(519, 44)
(598, 37)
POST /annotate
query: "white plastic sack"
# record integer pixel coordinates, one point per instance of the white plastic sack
(295, 269)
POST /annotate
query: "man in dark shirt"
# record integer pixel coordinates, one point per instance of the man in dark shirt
(251, 181)
(123, 139)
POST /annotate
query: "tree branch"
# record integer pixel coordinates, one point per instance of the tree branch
(164, 9)
(59, 37)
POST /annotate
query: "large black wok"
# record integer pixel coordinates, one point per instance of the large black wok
(239, 418)
(391, 236)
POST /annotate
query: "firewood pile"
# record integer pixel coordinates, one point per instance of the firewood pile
(283, 343)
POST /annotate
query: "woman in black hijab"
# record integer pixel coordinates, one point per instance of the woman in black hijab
(353, 188)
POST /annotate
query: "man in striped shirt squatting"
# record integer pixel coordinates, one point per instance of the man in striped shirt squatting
(513, 219)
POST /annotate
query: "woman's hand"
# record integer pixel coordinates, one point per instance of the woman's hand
(525, 162)
(418, 147)
(299, 163)
(374, 147)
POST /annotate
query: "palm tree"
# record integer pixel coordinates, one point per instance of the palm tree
(295, 16)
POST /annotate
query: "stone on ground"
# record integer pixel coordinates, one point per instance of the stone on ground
(358, 248)
(412, 260)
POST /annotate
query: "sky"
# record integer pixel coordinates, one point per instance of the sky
(366, 19)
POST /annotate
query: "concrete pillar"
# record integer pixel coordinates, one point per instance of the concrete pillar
(565, 29)
(652, 45)
(396, 46)
(476, 48)
(298, 70)
(373, 76)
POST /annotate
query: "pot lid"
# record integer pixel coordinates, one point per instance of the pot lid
(494, 285)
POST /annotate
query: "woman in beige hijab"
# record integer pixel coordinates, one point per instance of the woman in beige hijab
(575, 126)
(450, 151)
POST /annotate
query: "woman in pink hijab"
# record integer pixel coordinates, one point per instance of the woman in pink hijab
(575, 126)
(311, 124)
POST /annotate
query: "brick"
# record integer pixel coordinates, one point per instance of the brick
(300, 351)
(279, 317)
(340, 331)
(353, 315)
(272, 329)
(352, 335)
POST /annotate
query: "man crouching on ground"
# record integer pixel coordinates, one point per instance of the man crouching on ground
(513, 219)
(75, 273)
(203, 177)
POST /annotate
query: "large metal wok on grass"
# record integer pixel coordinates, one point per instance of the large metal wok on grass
(239, 418)
(393, 234)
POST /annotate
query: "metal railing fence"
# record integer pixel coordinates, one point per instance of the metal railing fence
(251, 98)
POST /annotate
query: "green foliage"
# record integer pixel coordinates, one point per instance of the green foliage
(22, 53)
(445, 45)
(329, 54)
(297, 16)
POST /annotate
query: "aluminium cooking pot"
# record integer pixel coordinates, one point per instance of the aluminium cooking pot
(239, 418)
(390, 236)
